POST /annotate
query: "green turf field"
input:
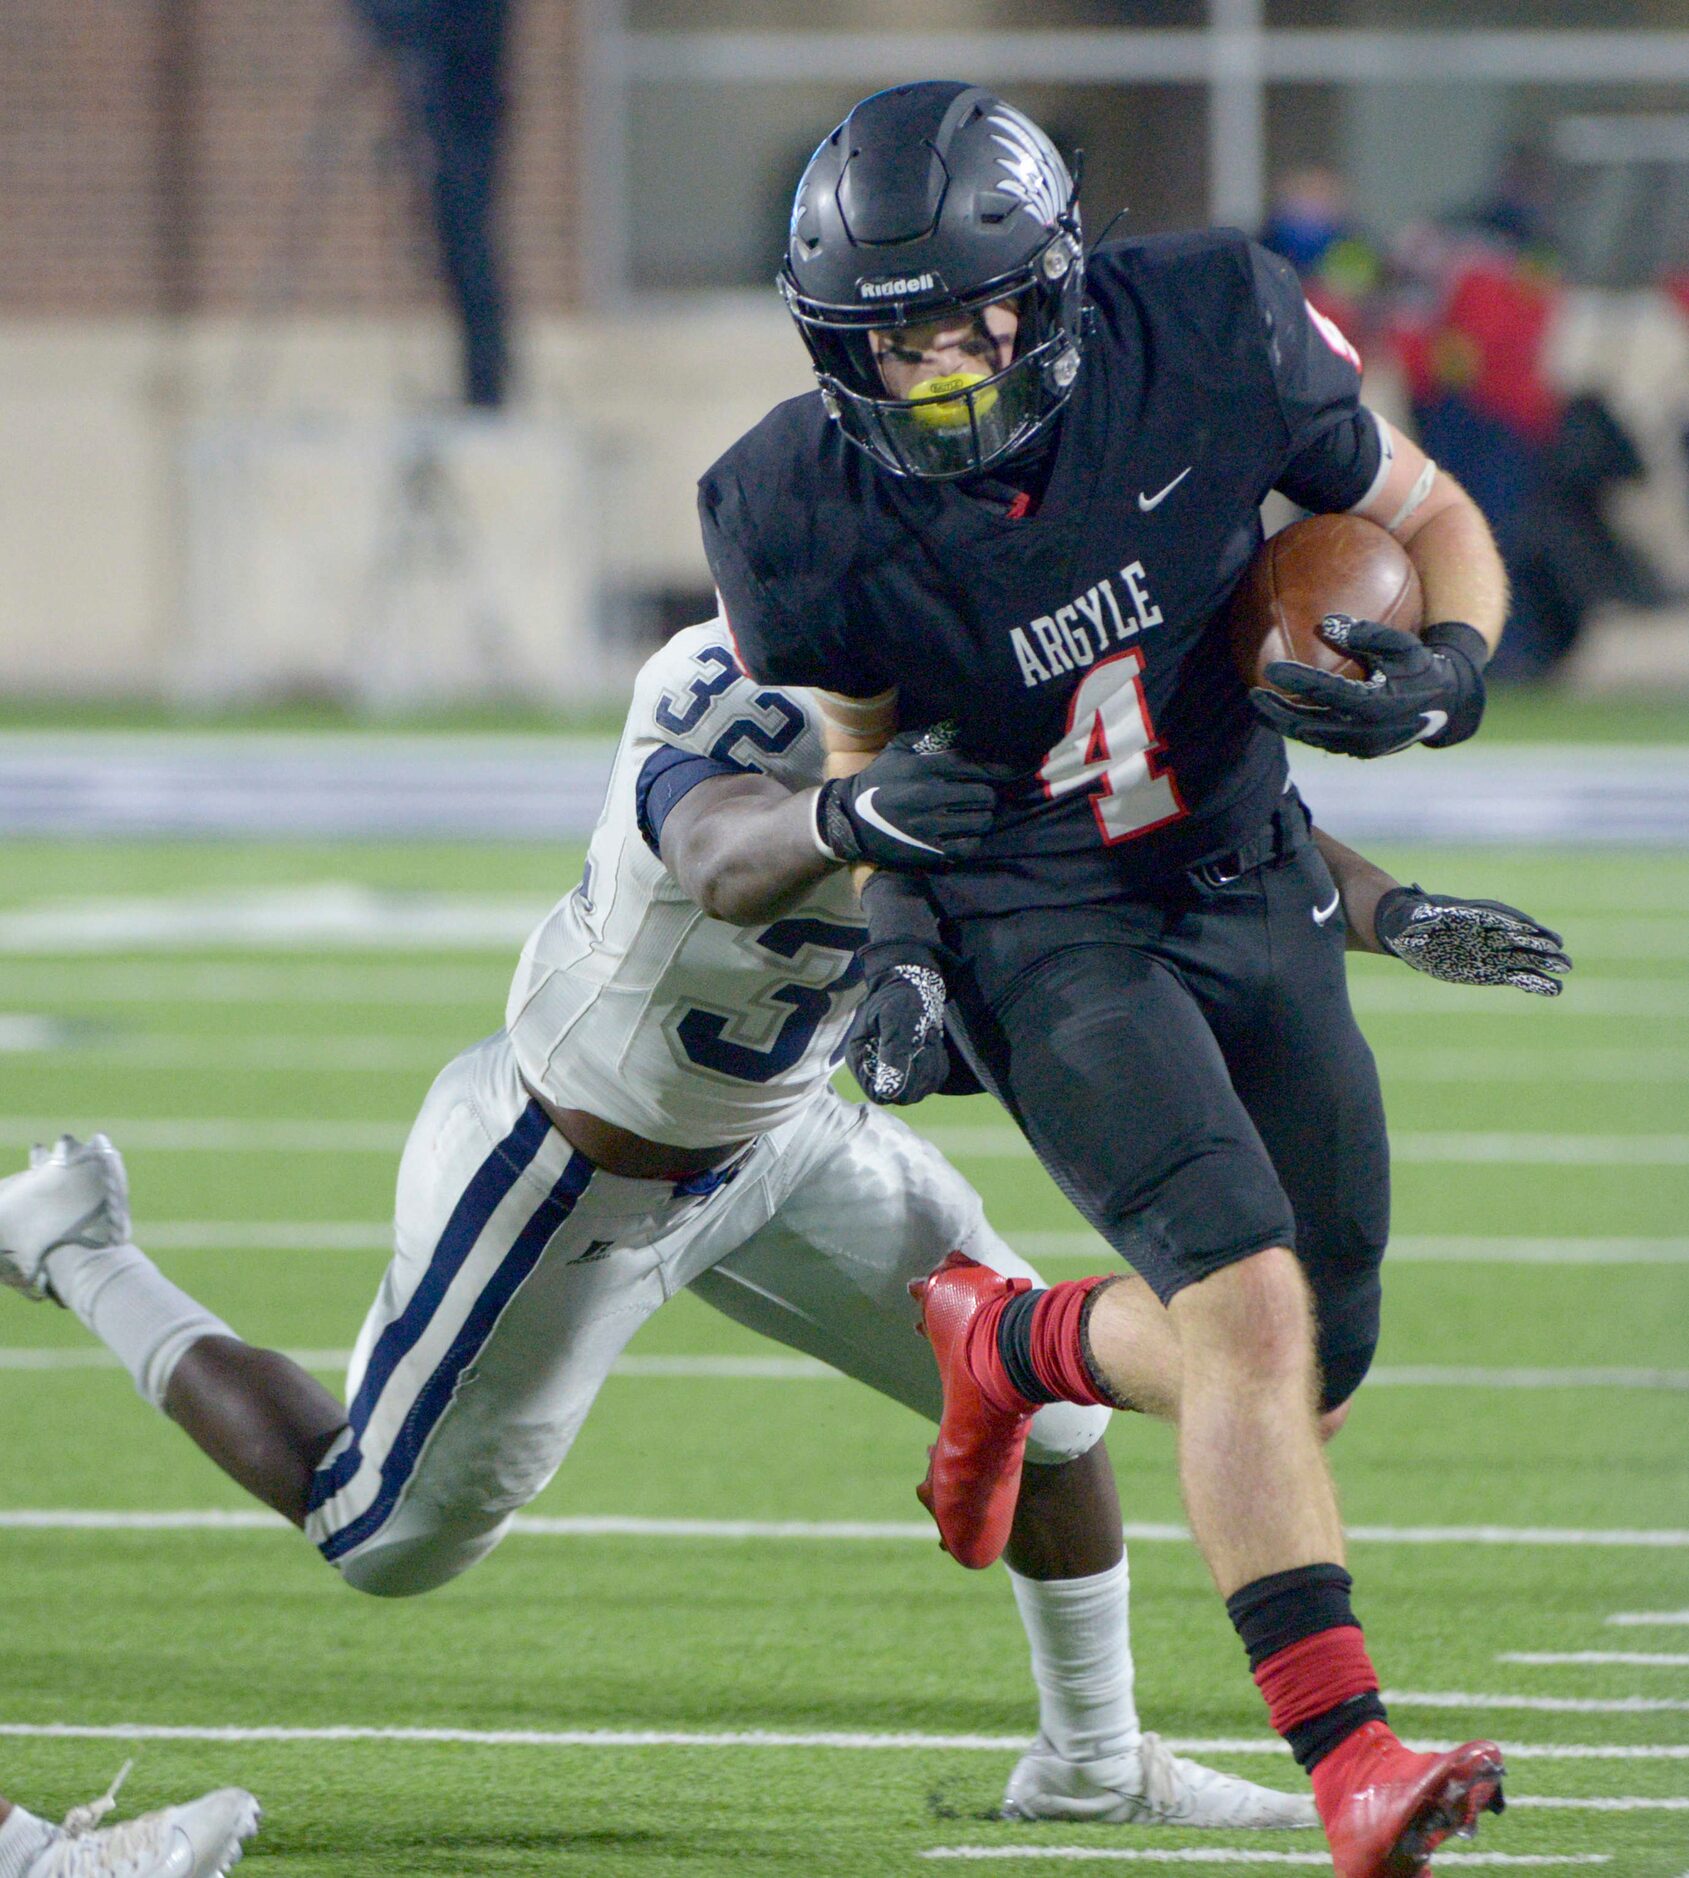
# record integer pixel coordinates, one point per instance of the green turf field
(596, 1689)
(1516, 714)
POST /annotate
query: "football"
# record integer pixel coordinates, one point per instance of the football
(1325, 564)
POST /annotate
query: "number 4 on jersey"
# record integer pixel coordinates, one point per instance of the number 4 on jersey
(1111, 749)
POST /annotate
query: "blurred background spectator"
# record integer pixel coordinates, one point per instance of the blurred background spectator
(449, 56)
(1312, 225)
(368, 350)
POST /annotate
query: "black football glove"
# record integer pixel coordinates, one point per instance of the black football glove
(1428, 690)
(896, 1048)
(920, 806)
(1471, 942)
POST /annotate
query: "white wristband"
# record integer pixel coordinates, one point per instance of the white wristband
(826, 852)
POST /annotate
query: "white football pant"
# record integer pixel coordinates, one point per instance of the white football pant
(521, 1271)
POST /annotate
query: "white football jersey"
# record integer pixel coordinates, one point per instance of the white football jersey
(630, 1001)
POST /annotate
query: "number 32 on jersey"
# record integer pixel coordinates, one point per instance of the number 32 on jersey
(1112, 750)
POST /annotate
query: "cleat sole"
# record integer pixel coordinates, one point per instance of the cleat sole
(1452, 1810)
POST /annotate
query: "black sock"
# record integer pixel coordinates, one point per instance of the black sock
(1272, 1613)
(1285, 1608)
(1014, 1346)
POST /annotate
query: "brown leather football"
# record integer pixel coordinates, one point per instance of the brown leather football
(1325, 564)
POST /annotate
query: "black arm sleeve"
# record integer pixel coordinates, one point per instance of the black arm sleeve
(1316, 372)
(1337, 470)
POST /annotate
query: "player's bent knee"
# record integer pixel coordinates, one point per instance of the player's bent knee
(1342, 1373)
(1062, 1431)
(1253, 1317)
(415, 1555)
(1349, 1310)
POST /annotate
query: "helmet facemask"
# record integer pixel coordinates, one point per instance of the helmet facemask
(929, 205)
(957, 424)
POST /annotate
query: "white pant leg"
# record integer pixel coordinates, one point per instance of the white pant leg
(519, 1275)
(870, 1207)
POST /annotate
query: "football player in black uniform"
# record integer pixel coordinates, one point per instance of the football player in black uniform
(1015, 511)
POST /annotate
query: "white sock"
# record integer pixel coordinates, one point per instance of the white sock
(147, 1323)
(23, 1839)
(1080, 1633)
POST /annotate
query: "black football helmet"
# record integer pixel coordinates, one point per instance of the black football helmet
(928, 201)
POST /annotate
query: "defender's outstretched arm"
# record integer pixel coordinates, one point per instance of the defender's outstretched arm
(743, 847)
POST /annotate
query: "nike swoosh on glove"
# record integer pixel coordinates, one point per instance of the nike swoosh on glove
(1428, 690)
(1471, 942)
(896, 1048)
(920, 806)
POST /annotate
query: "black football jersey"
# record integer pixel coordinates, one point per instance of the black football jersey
(1084, 643)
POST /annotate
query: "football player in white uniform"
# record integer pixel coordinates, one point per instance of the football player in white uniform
(656, 1115)
(201, 1838)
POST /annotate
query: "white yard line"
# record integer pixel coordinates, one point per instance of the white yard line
(94, 1357)
(1452, 1147)
(865, 1741)
(184, 981)
(1537, 1704)
(617, 1525)
(1224, 1855)
(1414, 995)
(995, 1141)
(307, 917)
(352, 1235)
(223, 1135)
(1439, 1376)
(217, 1135)
(383, 1053)
(1628, 1804)
(1649, 1620)
(1425, 1249)
(1631, 1659)
(1558, 1065)
(268, 1235)
(809, 1369)
(291, 980)
(378, 1053)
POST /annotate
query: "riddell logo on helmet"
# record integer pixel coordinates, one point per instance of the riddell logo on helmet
(898, 287)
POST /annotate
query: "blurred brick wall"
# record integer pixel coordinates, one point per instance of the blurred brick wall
(203, 156)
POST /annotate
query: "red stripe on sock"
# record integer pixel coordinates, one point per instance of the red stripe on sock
(1310, 1678)
(1058, 1351)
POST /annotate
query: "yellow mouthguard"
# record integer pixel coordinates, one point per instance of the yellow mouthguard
(937, 406)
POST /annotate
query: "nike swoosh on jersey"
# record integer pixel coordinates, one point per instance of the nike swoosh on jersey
(865, 808)
(1146, 503)
(1323, 913)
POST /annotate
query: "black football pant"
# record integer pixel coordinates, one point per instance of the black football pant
(1188, 1069)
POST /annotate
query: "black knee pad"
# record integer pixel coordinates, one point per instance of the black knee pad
(1347, 1296)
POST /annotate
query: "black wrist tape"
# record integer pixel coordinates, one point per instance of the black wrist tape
(1453, 635)
(1393, 911)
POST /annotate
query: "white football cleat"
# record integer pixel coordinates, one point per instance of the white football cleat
(1149, 1786)
(75, 1193)
(199, 1840)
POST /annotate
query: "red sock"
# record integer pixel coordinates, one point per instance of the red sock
(985, 1363)
(1027, 1348)
(1322, 1693)
(1058, 1345)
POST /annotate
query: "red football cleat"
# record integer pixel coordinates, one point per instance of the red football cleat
(974, 1480)
(1387, 1809)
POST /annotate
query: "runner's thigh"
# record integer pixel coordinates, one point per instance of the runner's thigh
(1306, 1075)
(1109, 1065)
